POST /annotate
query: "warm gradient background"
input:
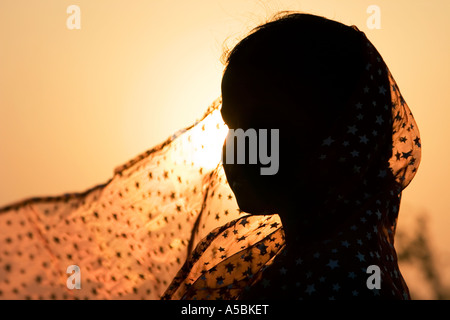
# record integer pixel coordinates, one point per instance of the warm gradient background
(74, 104)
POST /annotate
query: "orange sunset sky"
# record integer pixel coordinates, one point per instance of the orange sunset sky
(74, 104)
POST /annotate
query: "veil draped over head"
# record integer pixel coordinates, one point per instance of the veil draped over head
(167, 225)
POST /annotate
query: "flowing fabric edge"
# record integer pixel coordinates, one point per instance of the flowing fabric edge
(65, 197)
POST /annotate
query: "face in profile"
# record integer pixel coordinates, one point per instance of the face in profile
(252, 101)
(296, 76)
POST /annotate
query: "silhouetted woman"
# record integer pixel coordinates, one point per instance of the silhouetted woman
(167, 225)
(348, 147)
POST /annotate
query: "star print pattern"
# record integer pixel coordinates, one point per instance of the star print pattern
(377, 148)
(130, 235)
(166, 225)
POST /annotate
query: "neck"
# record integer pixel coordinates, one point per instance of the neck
(308, 223)
(299, 226)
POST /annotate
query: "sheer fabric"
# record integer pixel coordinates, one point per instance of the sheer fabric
(370, 155)
(166, 225)
(130, 235)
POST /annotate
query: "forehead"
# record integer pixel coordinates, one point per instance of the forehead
(255, 85)
(242, 83)
(246, 95)
(266, 96)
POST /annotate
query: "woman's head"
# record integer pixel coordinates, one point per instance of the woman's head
(295, 74)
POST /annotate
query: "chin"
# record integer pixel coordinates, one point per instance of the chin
(253, 207)
(249, 199)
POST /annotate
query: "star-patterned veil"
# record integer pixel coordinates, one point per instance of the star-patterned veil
(166, 225)
(375, 144)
